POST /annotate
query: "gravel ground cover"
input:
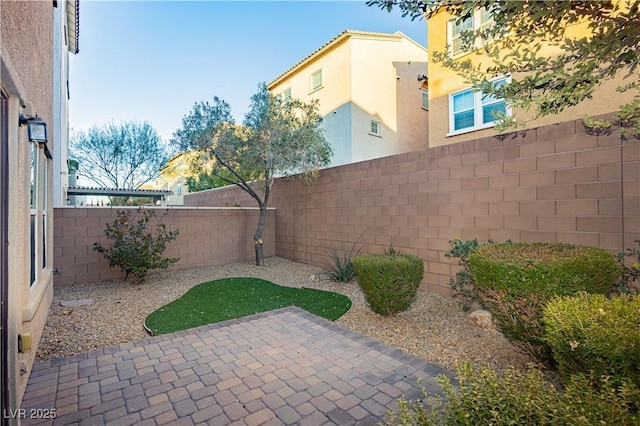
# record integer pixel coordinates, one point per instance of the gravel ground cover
(434, 329)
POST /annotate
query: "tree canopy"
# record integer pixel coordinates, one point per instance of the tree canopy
(514, 45)
(277, 138)
(123, 156)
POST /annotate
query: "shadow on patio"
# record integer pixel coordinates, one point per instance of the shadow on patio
(281, 367)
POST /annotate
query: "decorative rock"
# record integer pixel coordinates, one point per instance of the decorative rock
(480, 318)
(72, 303)
(314, 278)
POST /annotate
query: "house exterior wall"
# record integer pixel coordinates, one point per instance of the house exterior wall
(26, 46)
(385, 89)
(443, 81)
(365, 77)
(555, 183)
(207, 236)
(61, 110)
(334, 96)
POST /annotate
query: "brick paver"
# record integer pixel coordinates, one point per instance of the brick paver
(281, 367)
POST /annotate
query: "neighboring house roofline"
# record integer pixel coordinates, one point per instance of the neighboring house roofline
(73, 25)
(334, 41)
(176, 156)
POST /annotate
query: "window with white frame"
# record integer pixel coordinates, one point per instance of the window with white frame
(38, 205)
(286, 94)
(472, 110)
(179, 189)
(374, 128)
(425, 99)
(481, 20)
(316, 80)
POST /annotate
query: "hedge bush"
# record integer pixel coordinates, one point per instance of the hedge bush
(486, 397)
(544, 268)
(590, 333)
(516, 280)
(390, 281)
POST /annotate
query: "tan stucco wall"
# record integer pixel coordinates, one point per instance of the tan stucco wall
(26, 47)
(366, 77)
(384, 86)
(443, 81)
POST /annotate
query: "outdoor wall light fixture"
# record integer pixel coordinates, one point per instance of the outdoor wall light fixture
(37, 131)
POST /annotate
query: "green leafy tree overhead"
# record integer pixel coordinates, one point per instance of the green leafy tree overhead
(198, 129)
(514, 45)
(277, 138)
(124, 156)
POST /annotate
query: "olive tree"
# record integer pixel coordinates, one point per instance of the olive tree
(278, 138)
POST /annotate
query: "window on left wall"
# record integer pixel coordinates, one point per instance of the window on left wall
(38, 208)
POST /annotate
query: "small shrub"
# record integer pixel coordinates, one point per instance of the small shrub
(136, 248)
(462, 284)
(590, 333)
(340, 268)
(515, 281)
(486, 397)
(629, 262)
(389, 282)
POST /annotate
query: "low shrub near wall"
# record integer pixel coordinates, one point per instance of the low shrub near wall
(591, 334)
(516, 280)
(390, 281)
(486, 397)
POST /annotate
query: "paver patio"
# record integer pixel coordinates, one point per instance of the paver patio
(280, 367)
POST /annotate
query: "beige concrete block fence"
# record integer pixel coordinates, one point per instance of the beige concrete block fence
(552, 183)
(208, 236)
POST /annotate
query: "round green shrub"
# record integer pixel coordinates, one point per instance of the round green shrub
(516, 280)
(589, 333)
(389, 282)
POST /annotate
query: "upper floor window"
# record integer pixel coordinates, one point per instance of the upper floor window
(374, 128)
(481, 20)
(425, 99)
(179, 189)
(316, 80)
(286, 95)
(472, 110)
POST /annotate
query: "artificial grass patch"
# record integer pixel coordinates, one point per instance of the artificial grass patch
(231, 298)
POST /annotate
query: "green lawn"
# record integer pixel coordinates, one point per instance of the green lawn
(230, 298)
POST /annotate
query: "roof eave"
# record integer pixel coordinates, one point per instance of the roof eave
(322, 49)
(73, 25)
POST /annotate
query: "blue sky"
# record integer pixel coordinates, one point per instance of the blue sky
(151, 60)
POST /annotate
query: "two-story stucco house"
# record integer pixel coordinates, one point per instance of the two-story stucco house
(173, 177)
(28, 59)
(459, 113)
(369, 97)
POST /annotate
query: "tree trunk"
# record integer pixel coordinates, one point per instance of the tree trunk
(257, 238)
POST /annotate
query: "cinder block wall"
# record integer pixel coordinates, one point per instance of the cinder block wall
(208, 236)
(553, 183)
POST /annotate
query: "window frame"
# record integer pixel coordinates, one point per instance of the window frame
(312, 87)
(425, 95)
(478, 109)
(476, 25)
(39, 231)
(286, 94)
(378, 133)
